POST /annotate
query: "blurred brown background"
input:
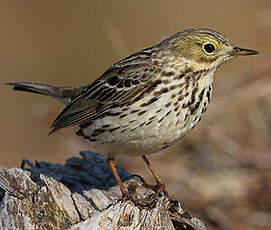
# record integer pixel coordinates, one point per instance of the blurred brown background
(221, 171)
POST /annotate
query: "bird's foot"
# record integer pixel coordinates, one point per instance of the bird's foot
(141, 202)
(159, 188)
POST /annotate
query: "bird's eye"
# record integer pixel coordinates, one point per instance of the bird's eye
(209, 48)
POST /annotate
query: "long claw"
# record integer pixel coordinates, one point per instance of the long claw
(142, 202)
(158, 188)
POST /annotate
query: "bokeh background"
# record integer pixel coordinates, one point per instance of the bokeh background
(221, 171)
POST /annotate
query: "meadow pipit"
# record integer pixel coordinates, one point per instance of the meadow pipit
(147, 101)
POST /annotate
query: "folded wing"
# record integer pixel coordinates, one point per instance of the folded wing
(122, 83)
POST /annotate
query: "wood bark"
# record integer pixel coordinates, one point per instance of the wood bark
(82, 194)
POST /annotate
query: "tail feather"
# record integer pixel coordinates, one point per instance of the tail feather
(61, 93)
(64, 94)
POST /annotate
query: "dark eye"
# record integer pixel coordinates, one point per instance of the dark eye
(209, 48)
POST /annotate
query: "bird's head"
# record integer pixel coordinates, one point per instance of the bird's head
(205, 48)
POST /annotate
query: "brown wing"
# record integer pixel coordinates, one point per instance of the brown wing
(120, 84)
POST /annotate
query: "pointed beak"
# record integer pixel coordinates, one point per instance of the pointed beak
(236, 51)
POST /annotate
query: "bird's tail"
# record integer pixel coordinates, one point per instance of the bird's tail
(61, 93)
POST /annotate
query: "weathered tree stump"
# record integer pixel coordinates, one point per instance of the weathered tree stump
(82, 194)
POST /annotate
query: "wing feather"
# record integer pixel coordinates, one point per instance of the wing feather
(120, 84)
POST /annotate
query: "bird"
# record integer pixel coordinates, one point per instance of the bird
(147, 101)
